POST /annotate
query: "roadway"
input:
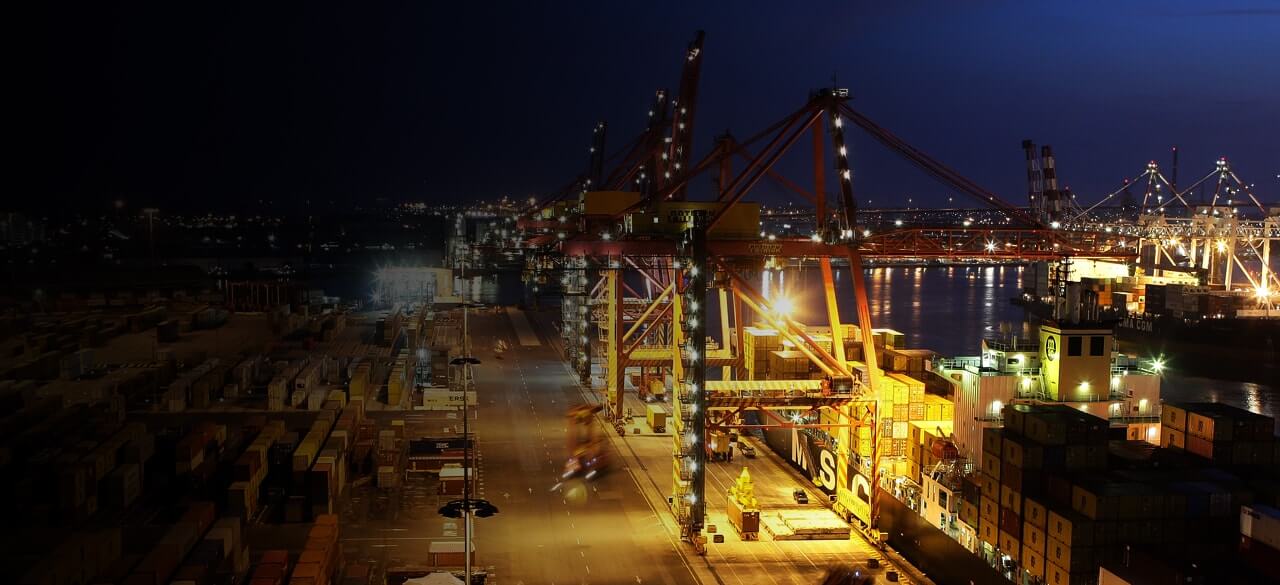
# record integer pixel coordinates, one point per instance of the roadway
(615, 529)
(602, 532)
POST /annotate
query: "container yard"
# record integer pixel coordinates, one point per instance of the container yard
(240, 346)
(230, 448)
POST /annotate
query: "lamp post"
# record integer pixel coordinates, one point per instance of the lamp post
(464, 362)
(466, 507)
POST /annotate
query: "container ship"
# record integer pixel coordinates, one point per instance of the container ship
(1199, 329)
(1061, 465)
(1049, 460)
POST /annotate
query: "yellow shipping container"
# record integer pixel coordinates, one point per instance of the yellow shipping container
(1035, 513)
(608, 202)
(1054, 574)
(1173, 417)
(989, 509)
(989, 485)
(1033, 561)
(991, 465)
(1010, 545)
(1033, 538)
(1058, 553)
(1010, 499)
(988, 533)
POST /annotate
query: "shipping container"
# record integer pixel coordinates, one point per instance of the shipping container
(1261, 523)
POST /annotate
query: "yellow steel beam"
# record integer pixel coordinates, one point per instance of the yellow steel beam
(833, 310)
(873, 373)
(645, 315)
(818, 355)
(784, 330)
(726, 372)
(613, 343)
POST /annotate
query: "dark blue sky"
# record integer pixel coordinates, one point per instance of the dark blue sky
(179, 106)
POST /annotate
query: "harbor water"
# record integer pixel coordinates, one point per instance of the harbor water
(949, 309)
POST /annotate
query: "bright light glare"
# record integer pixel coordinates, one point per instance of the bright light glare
(783, 306)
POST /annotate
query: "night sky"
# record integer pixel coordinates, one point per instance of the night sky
(223, 104)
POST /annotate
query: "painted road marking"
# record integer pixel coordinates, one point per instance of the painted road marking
(524, 332)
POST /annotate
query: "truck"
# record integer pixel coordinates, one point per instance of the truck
(657, 418)
(587, 456)
(652, 389)
(746, 521)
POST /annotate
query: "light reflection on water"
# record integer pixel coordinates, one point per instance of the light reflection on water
(949, 310)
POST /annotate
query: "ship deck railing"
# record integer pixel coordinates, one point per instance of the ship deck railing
(1146, 368)
(1012, 346)
(1151, 418)
(1111, 396)
(974, 366)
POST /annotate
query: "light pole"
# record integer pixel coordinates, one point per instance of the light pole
(464, 362)
(466, 507)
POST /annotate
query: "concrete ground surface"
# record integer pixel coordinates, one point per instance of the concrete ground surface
(614, 529)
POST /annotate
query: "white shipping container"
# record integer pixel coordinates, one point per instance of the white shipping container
(1262, 524)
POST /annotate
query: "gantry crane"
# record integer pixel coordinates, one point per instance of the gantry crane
(640, 221)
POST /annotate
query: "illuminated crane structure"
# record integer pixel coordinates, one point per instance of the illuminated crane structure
(1226, 239)
(644, 264)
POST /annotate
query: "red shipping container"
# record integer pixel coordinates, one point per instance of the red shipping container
(1011, 475)
(328, 532)
(276, 556)
(319, 543)
(1264, 559)
(306, 570)
(272, 572)
(318, 557)
(1011, 523)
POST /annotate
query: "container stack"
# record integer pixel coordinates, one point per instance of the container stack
(164, 559)
(359, 381)
(1012, 470)
(250, 470)
(1224, 435)
(328, 476)
(757, 345)
(401, 380)
(1260, 539)
(903, 400)
(321, 558)
(788, 365)
(271, 569)
(277, 393)
(926, 446)
(1047, 498)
